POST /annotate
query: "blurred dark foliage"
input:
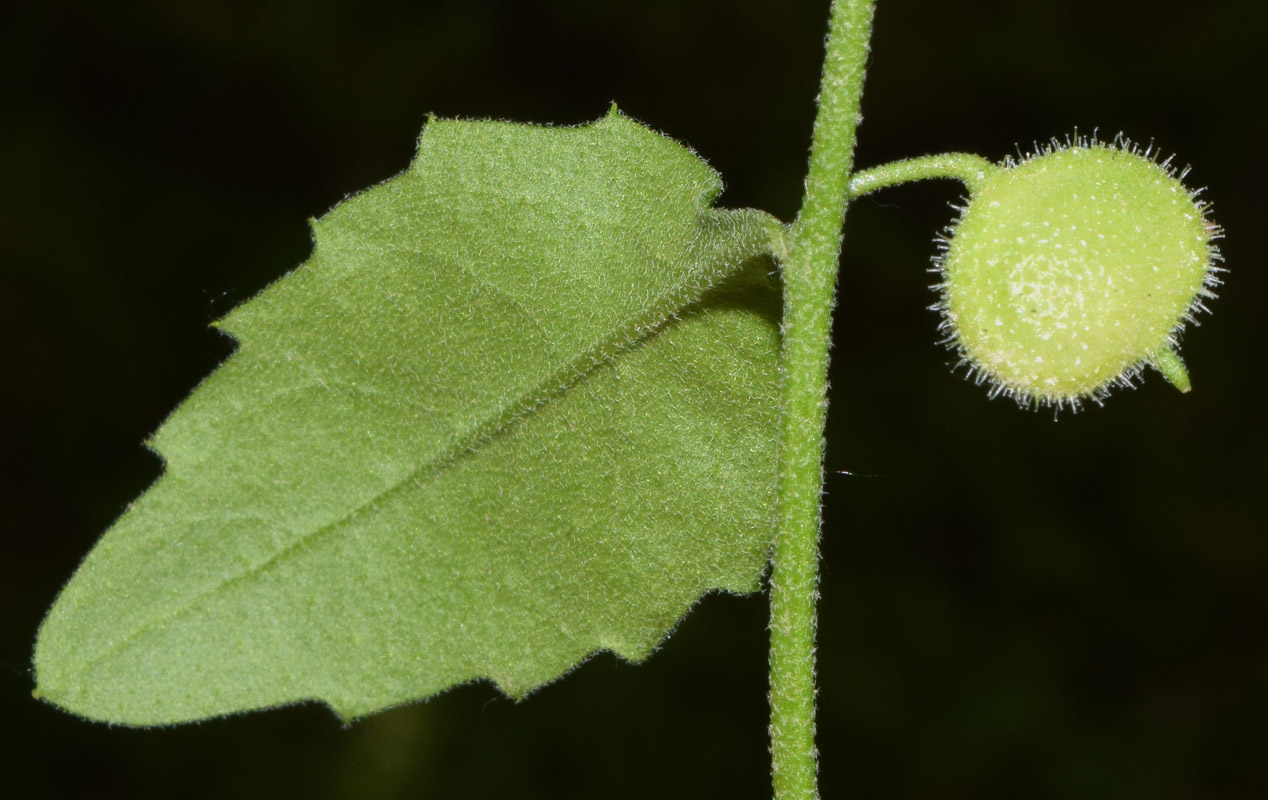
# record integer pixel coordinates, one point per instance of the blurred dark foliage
(1012, 606)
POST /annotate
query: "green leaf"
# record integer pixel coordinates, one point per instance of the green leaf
(519, 406)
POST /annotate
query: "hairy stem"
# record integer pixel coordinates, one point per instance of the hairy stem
(809, 275)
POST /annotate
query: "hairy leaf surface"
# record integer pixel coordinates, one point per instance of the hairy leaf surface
(518, 406)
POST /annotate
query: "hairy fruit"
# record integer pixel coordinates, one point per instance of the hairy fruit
(1070, 271)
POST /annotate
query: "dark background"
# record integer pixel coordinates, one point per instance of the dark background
(1012, 606)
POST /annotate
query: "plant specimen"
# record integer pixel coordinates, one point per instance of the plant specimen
(534, 396)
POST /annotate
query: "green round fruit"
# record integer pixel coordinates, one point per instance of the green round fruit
(1069, 272)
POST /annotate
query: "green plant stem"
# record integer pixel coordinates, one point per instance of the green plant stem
(809, 275)
(965, 167)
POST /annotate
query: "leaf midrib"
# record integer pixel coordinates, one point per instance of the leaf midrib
(636, 330)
